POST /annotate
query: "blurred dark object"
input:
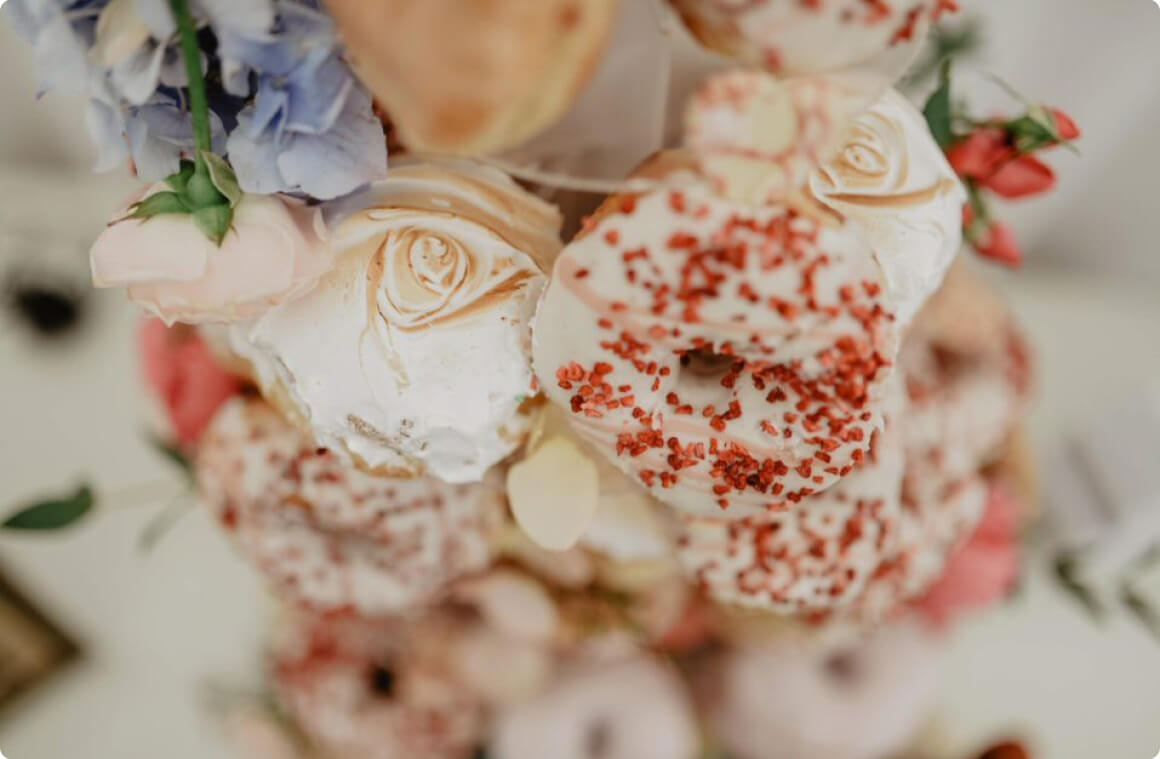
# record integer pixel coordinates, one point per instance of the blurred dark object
(45, 283)
(51, 311)
(32, 648)
(1005, 750)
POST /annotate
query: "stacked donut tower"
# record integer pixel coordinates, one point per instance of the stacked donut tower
(678, 485)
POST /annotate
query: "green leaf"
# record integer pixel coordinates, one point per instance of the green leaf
(1066, 570)
(174, 454)
(1032, 132)
(54, 513)
(214, 222)
(938, 110)
(158, 204)
(180, 180)
(223, 178)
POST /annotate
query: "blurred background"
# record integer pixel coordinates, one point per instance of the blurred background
(155, 627)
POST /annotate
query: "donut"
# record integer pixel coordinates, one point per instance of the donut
(412, 354)
(983, 569)
(968, 377)
(795, 696)
(791, 37)
(731, 358)
(931, 529)
(469, 77)
(634, 708)
(373, 691)
(329, 536)
(814, 558)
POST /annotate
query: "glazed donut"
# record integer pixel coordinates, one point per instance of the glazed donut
(329, 536)
(815, 558)
(627, 709)
(372, 691)
(412, 354)
(731, 358)
(790, 37)
(804, 696)
(470, 77)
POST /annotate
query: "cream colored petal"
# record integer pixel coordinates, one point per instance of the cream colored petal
(554, 493)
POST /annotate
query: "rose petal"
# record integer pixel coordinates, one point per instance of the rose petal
(1020, 178)
(1065, 125)
(980, 153)
(554, 493)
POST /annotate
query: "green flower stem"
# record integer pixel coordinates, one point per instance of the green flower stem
(198, 107)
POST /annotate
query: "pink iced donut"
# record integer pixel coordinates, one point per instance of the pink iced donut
(814, 558)
(325, 533)
(730, 357)
(790, 696)
(372, 691)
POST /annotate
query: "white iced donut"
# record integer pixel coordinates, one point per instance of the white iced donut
(814, 558)
(891, 179)
(625, 709)
(372, 691)
(328, 535)
(802, 37)
(412, 354)
(800, 697)
(730, 357)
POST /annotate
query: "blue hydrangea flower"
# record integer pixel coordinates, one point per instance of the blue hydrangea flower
(156, 134)
(297, 119)
(311, 127)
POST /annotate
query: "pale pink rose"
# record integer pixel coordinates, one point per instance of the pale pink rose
(181, 370)
(275, 250)
(984, 569)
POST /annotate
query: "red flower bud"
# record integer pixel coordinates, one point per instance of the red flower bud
(1000, 246)
(981, 153)
(1020, 177)
(1064, 125)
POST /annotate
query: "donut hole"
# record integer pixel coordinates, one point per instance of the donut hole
(382, 680)
(843, 667)
(706, 365)
(598, 739)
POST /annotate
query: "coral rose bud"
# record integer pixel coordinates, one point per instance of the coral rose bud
(1001, 245)
(1065, 125)
(181, 371)
(981, 153)
(1020, 178)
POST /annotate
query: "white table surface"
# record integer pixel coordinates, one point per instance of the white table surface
(156, 628)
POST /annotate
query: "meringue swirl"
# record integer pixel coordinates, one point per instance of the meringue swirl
(422, 276)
